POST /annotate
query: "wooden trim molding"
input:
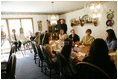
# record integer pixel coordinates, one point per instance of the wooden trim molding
(28, 13)
(16, 18)
(20, 25)
(8, 31)
(32, 25)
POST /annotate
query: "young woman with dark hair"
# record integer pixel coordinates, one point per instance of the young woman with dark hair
(98, 55)
(111, 40)
(66, 50)
(68, 68)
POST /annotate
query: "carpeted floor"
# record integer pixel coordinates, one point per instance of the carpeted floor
(27, 69)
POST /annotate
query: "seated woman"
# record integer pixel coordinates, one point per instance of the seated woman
(62, 36)
(75, 38)
(66, 50)
(88, 39)
(68, 68)
(50, 51)
(22, 37)
(51, 39)
(111, 40)
(98, 55)
(37, 38)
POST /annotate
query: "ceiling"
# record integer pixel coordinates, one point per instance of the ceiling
(41, 6)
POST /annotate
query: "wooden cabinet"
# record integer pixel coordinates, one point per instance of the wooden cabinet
(53, 30)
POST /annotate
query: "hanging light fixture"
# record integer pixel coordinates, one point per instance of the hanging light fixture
(53, 18)
(95, 7)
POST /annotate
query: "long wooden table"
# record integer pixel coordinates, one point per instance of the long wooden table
(79, 52)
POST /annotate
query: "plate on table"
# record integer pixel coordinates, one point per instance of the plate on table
(57, 41)
(73, 55)
(81, 54)
(81, 46)
(76, 49)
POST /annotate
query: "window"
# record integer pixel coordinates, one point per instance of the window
(27, 26)
(4, 26)
(5, 45)
(15, 23)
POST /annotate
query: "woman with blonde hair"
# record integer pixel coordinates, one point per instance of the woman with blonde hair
(22, 36)
(62, 35)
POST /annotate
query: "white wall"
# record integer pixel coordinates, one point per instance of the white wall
(36, 18)
(99, 31)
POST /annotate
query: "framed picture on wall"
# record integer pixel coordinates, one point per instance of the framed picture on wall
(39, 25)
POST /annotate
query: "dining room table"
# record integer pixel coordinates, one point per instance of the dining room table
(78, 52)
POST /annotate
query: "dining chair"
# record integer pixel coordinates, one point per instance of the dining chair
(14, 49)
(4, 64)
(41, 38)
(58, 63)
(50, 65)
(41, 56)
(35, 51)
(27, 46)
(9, 72)
(90, 71)
(67, 68)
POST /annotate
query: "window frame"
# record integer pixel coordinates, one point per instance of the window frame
(8, 29)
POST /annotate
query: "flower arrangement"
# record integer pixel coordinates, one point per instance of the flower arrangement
(3, 34)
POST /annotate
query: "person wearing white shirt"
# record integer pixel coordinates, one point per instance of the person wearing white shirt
(15, 39)
(22, 37)
(62, 35)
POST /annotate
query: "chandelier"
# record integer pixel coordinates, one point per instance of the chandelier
(54, 17)
(95, 7)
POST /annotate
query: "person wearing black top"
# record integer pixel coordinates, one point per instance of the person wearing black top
(98, 55)
(46, 38)
(75, 38)
(67, 66)
(63, 26)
